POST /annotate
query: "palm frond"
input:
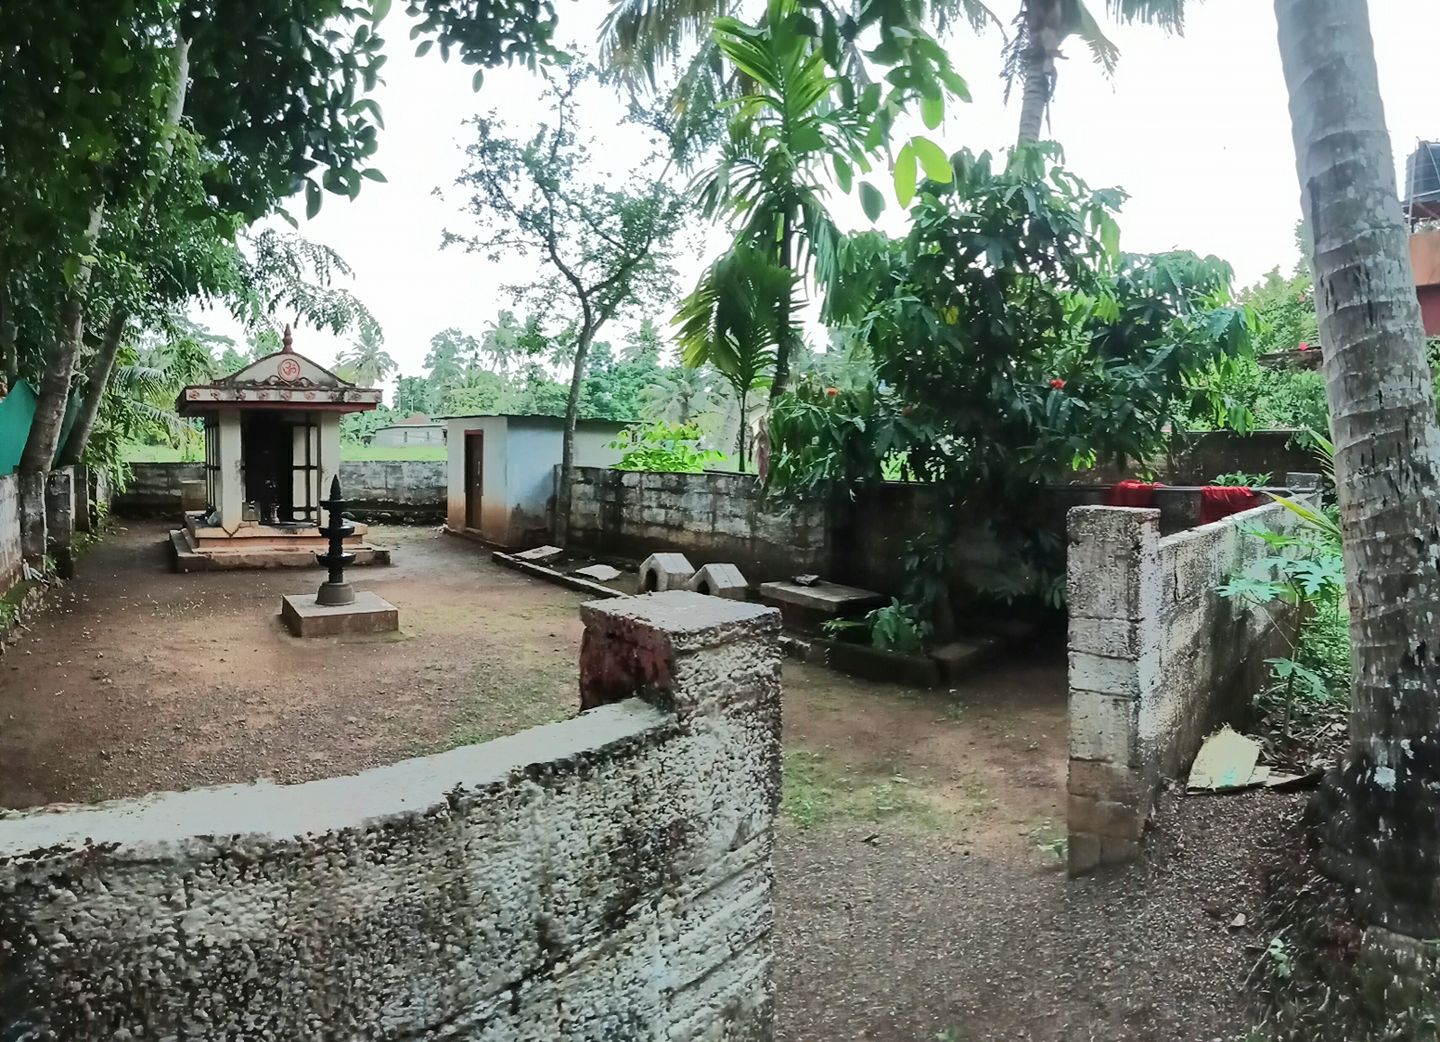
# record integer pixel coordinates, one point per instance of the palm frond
(638, 37)
(1166, 14)
(1080, 22)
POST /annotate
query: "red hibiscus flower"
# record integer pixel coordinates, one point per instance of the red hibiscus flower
(831, 392)
(1057, 383)
(1304, 346)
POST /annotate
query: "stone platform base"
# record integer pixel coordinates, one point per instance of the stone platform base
(250, 554)
(369, 614)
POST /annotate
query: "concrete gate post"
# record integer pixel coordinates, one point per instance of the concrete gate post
(31, 488)
(60, 519)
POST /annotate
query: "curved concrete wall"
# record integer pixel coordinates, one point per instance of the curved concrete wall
(606, 878)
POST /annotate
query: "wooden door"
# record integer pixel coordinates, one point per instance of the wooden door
(474, 476)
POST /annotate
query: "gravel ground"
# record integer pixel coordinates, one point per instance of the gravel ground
(907, 938)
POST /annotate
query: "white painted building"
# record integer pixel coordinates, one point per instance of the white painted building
(501, 472)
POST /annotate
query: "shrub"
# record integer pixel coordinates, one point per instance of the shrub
(663, 448)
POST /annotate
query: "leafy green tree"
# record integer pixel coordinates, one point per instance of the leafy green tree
(1011, 342)
(604, 249)
(478, 391)
(412, 396)
(450, 356)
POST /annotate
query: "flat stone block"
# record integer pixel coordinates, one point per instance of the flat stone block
(370, 613)
(540, 553)
(1102, 727)
(829, 598)
(601, 573)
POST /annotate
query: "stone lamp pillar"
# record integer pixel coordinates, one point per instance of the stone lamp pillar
(335, 608)
(335, 591)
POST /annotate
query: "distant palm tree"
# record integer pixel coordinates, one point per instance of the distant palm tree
(732, 322)
(1043, 26)
(678, 397)
(366, 359)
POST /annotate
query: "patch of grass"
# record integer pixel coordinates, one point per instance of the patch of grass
(508, 701)
(1051, 839)
(378, 453)
(137, 453)
(817, 790)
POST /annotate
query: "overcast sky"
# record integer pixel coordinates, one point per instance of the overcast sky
(1196, 129)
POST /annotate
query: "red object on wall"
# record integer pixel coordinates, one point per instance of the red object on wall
(1132, 494)
(1430, 309)
(1219, 501)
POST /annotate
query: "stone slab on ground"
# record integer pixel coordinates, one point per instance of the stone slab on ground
(959, 658)
(827, 597)
(187, 558)
(540, 553)
(370, 613)
(601, 573)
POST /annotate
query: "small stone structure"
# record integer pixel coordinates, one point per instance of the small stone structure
(720, 580)
(1158, 660)
(336, 607)
(600, 879)
(661, 572)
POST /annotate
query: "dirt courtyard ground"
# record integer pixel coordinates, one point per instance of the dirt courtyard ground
(920, 892)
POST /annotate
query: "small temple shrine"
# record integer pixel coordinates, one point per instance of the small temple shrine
(272, 445)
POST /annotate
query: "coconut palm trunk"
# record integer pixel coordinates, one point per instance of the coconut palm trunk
(1380, 815)
(1043, 18)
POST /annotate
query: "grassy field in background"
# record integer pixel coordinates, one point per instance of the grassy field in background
(364, 453)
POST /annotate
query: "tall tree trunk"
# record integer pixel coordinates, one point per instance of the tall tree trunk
(54, 392)
(97, 377)
(561, 529)
(9, 354)
(740, 436)
(1044, 18)
(783, 334)
(1380, 815)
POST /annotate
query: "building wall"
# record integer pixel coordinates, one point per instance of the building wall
(410, 434)
(1158, 660)
(494, 516)
(709, 517)
(603, 879)
(409, 490)
(9, 532)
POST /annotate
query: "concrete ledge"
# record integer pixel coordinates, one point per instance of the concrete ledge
(186, 558)
(370, 613)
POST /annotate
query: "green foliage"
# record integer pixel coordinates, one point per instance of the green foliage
(1010, 342)
(894, 627)
(1240, 479)
(366, 362)
(662, 448)
(357, 428)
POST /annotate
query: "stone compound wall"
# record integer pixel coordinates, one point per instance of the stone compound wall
(709, 517)
(396, 490)
(387, 490)
(1158, 660)
(9, 532)
(605, 879)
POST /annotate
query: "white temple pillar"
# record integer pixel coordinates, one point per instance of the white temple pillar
(329, 456)
(232, 471)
